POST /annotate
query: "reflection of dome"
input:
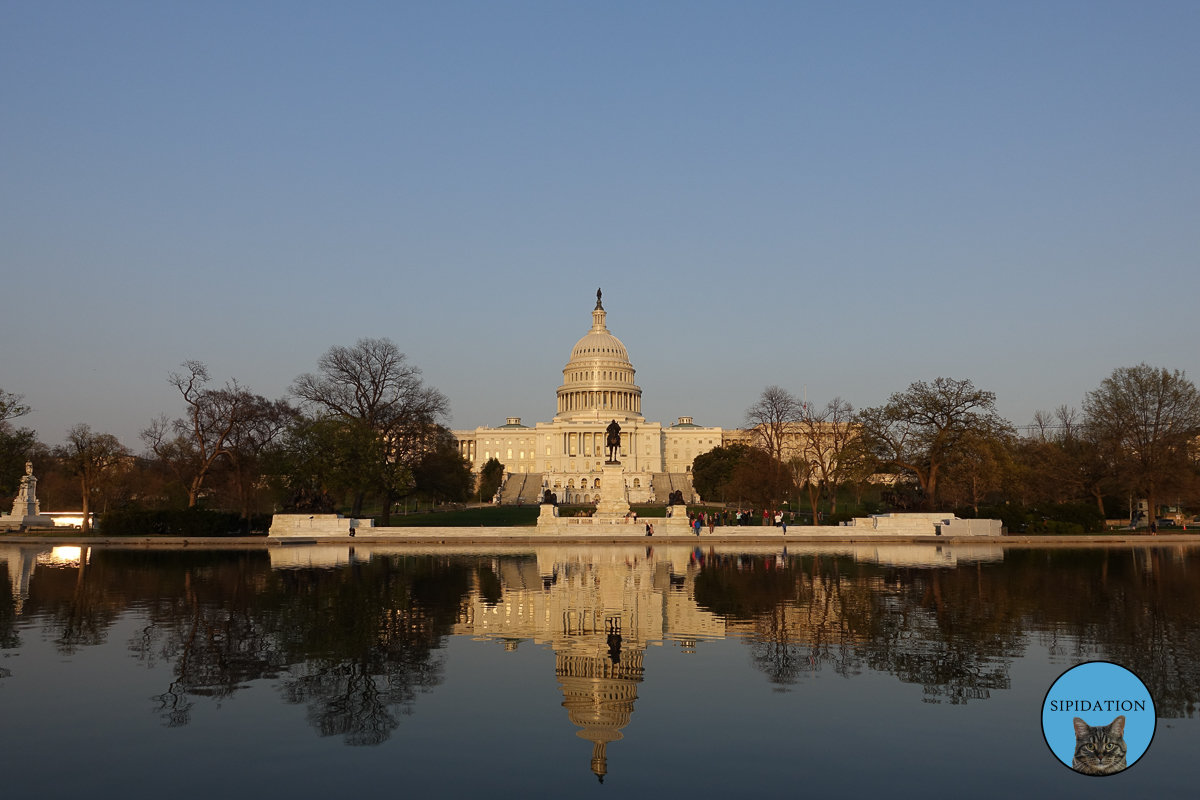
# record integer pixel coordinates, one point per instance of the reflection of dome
(599, 696)
(599, 375)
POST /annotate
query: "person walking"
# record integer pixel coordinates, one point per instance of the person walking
(648, 529)
(696, 526)
(712, 522)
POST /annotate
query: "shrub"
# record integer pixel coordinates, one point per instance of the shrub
(188, 522)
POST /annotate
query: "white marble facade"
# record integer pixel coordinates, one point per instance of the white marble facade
(598, 386)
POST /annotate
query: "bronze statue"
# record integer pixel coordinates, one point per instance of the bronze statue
(598, 306)
(675, 498)
(549, 498)
(613, 441)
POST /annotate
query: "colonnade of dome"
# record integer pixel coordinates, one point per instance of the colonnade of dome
(599, 375)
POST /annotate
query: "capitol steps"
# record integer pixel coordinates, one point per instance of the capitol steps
(531, 492)
(665, 483)
(661, 483)
(522, 487)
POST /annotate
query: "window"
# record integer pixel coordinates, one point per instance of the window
(510, 452)
(522, 455)
(637, 483)
(596, 483)
(547, 449)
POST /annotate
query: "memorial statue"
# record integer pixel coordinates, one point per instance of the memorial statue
(613, 441)
(310, 501)
(549, 498)
(676, 498)
(598, 306)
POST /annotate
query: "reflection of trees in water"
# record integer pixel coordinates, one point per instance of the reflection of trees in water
(1138, 607)
(366, 640)
(355, 644)
(9, 640)
(957, 631)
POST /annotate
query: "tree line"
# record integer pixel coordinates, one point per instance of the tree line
(363, 426)
(942, 446)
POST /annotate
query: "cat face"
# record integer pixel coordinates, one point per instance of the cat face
(1099, 750)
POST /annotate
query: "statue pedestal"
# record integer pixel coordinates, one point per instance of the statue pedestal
(27, 509)
(548, 515)
(304, 526)
(614, 500)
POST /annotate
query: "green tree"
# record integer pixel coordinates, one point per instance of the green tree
(442, 473)
(713, 471)
(490, 478)
(15, 443)
(1150, 418)
(323, 458)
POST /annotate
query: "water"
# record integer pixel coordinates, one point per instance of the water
(907, 670)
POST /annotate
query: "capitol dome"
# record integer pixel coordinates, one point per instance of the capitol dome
(598, 380)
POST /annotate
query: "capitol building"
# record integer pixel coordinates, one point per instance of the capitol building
(566, 454)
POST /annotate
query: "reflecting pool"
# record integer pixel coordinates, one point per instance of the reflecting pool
(550, 671)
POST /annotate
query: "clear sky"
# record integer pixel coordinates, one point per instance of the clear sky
(846, 197)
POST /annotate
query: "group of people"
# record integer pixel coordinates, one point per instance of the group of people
(698, 520)
(711, 519)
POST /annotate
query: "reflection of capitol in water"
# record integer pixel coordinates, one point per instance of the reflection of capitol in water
(600, 607)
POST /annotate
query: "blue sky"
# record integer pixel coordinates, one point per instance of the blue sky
(846, 197)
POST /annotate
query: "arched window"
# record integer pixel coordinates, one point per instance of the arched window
(596, 483)
(587, 498)
(637, 483)
(571, 483)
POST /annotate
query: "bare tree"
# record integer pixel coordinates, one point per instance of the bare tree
(373, 383)
(93, 458)
(832, 445)
(920, 428)
(1150, 417)
(200, 438)
(262, 423)
(807, 473)
(772, 423)
(11, 406)
(772, 420)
